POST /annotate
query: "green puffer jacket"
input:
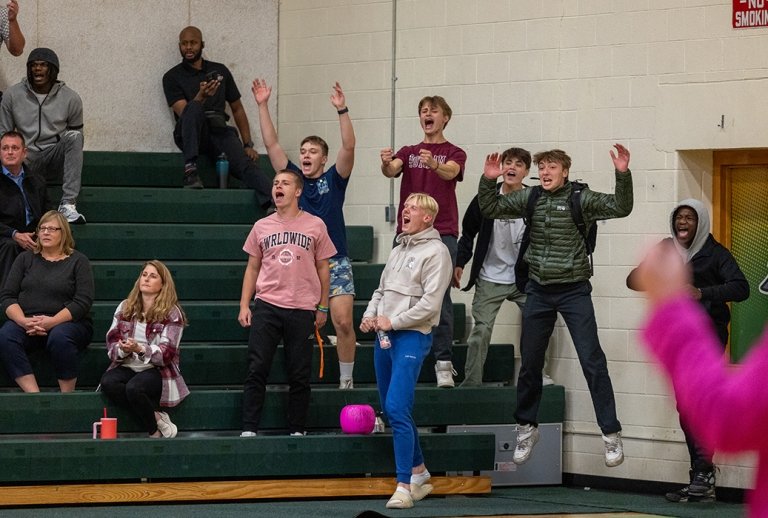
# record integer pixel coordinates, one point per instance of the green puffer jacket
(557, 253)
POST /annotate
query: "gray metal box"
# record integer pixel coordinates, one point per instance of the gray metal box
(544, 467)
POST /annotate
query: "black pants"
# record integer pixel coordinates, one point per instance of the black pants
(139, 391)
(9, 250)
(269, 325)
(192, 136)
(574, 302)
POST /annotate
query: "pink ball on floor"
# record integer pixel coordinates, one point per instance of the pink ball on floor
(357, 419)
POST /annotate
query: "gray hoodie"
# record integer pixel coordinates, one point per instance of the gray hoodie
(40, 123)
(413, 282)
(702, 229)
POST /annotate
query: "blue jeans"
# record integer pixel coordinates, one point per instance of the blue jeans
(62, 343)
(397, 371)
(574, 302)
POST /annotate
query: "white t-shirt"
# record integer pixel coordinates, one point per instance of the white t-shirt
(503, 249)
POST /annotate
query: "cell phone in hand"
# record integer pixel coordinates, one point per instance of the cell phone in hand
(213, 76)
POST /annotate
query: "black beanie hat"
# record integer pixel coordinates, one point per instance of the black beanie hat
(44, 54)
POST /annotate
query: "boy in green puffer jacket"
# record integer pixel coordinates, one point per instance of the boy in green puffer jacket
(559, 282)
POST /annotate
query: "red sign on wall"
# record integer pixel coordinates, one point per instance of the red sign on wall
(750, 13)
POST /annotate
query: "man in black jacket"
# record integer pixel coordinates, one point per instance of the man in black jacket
(717, 280)
(493, 267)
(23, 199)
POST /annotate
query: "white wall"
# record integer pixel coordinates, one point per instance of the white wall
(114, 54)
(655, 75)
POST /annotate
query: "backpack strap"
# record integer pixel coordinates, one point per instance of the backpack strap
(574, 201)
(531, 207)
(521, 267)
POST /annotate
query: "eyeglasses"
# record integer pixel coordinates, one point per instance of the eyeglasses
(49, 229)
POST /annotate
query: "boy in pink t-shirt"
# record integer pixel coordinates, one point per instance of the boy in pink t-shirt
(289, 275)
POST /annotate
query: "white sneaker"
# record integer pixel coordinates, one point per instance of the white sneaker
(401, 499)
(546, 379)
(346, 383)
(70, 213)
(248, 434)
(445, 372)
(527, 437)
(614, 449)
(166, 426)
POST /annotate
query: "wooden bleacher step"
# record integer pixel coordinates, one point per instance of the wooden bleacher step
(78, 494)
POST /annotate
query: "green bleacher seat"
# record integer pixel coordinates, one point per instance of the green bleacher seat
(205, 280)
(216, 320)
(145, 169)
(156, 205)
(221, 409)
(83, 460)
(224, 364)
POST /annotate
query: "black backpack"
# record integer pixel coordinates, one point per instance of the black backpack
(574, 202)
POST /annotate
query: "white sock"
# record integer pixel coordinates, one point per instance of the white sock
(403, 490)
(420, 478)
(345, 369)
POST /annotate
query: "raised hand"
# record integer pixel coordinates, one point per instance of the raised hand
(663, 274)
(426, 158)
(261, 91)
(13, 10)
(621, 158)
(338, 99)
(492, 168)
(387, 154)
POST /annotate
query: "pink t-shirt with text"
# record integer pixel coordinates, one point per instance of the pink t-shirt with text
(288, 251)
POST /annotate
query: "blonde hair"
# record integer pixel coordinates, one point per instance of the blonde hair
(425, 202)
(67, 245)
(165, 302)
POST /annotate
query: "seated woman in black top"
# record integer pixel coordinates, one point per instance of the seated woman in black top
(46, 297)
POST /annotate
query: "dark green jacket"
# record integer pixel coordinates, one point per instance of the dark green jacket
(557, 254)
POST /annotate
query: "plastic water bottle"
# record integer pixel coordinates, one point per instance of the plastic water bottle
(384, 341)
(379, 426)
(222, 170)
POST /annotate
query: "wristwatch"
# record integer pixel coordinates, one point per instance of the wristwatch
(248, 144)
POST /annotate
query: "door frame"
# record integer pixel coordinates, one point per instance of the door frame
(723, 161)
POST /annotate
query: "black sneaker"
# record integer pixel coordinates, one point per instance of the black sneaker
(702, 486)
(701, 489)
(191, 180)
